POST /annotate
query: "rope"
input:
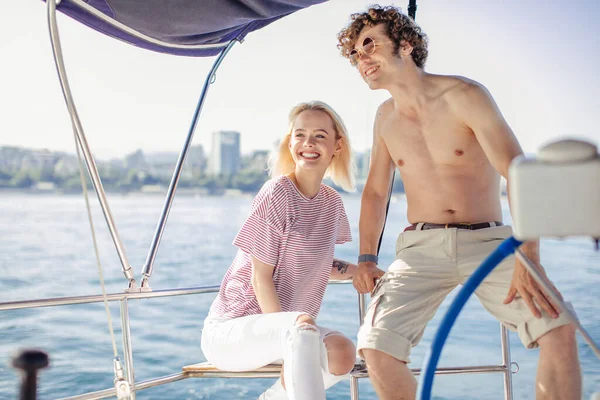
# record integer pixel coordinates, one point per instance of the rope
(95, 241)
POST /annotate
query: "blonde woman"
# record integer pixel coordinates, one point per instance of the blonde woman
(270, 297)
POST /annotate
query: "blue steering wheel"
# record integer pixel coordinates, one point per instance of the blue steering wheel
(506, 248)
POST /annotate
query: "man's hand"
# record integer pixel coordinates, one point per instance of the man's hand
(366, 274)
(526, 286)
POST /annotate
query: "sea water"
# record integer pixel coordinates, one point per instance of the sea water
(46, 251)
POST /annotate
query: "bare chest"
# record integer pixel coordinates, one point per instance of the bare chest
(439, 139)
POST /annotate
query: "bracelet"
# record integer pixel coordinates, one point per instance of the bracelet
(368, 257)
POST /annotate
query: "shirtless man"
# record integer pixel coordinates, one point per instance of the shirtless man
(450, 143)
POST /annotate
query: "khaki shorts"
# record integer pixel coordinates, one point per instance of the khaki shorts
(429, 265)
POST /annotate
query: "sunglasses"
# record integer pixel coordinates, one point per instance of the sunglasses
(368, 48)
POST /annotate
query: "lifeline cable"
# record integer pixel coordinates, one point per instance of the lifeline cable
(95, 241)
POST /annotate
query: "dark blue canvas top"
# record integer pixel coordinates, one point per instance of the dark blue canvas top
(182, 22)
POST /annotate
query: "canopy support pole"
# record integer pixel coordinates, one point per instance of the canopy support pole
(412, 9)
(82, 141)
(160, 227)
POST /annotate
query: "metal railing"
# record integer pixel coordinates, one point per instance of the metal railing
(162, 221)
(358, 372)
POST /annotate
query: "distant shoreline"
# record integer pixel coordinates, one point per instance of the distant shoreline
(180, 192)
(184, 192)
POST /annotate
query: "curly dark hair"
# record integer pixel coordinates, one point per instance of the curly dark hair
(399, 28)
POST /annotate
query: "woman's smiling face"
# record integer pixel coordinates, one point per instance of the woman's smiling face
(314, 140)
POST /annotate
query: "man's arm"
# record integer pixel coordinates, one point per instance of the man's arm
(481, 114)
(372, 209)
(264, 288)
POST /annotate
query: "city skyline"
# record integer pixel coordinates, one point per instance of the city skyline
(197, 153)
(538, 59)
(35, 170)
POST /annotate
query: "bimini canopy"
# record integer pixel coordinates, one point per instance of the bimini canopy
(194, 28)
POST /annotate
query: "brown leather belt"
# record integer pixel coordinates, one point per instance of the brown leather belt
(472, 227)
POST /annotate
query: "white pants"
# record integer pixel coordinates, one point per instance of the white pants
(247, 343)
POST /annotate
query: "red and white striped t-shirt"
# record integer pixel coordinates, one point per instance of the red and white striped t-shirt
(294, 234)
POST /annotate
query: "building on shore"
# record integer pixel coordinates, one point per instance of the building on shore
(225, 153)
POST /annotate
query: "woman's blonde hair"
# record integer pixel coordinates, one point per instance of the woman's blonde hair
(341, 169)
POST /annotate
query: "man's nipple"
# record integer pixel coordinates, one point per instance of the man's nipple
(459, 152)
(400, 163)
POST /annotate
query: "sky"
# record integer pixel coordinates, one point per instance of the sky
(539, 59)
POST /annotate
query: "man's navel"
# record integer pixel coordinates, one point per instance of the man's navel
(450, 211)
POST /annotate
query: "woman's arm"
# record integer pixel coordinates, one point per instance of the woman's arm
(341, 270)
(264, 288)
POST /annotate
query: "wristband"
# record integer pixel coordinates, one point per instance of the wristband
(367, 258)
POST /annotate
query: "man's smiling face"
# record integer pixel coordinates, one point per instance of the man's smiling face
(377, 66)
